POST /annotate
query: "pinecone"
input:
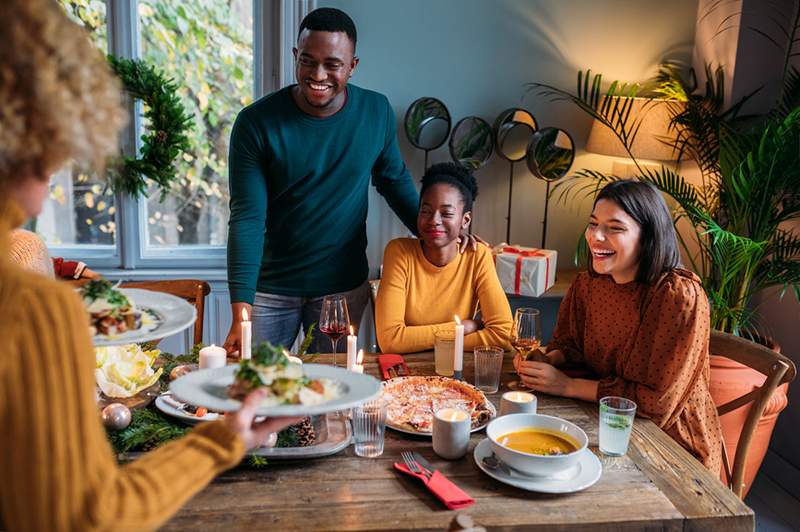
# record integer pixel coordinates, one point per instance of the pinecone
(304, 432)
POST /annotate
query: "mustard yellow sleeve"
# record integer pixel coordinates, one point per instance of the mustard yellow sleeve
(495, 310)
(59, 471)
(394, 336)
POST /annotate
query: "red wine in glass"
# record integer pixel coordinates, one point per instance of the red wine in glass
(334, 319)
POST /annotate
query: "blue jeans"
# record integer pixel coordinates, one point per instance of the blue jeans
(277, 318)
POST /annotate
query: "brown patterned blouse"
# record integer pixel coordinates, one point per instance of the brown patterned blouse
(648, 344)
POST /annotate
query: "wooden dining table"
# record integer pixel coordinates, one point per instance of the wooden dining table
(657, 485)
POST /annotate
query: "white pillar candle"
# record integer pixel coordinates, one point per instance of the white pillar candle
(517, 403)
(212, 356)
(358, 366)
(246, 348)
(451, 429)
(458, 350)
(352, 339)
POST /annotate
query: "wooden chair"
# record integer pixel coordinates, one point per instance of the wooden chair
(778, 370)
(192, 290)
(373, 296)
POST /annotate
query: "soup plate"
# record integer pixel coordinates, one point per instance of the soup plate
(536, 464)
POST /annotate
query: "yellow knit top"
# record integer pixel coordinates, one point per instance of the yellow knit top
(416, 299)
(58, 469)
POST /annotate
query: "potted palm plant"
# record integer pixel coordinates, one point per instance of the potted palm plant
(740, 239)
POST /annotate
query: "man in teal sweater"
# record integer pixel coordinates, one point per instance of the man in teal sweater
(301, 162)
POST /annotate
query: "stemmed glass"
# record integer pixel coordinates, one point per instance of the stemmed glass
(526, 337)
(334, 319)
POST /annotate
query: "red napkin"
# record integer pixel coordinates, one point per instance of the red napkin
(451, 495)
(386, 362)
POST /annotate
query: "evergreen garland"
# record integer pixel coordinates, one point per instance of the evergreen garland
(166, 138)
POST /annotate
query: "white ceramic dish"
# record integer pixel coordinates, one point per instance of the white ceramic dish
(489, 404)
(163, 404)
(588, 471)
(162, 315)
(208, 388)
(534, 464)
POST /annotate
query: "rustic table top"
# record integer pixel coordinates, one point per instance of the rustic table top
(657, 485)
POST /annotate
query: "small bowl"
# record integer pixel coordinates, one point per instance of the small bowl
(535, 464)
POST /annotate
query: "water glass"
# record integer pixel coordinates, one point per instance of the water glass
(616, 423)
(369, 426)
(488, 363)
(444, 350)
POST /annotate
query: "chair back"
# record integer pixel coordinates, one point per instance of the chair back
(192, 290)
(373, 297)
(777, 369)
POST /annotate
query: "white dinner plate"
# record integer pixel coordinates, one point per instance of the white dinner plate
(587, 472)
(163, 404)
(162, 315)
(208, 388)
(489, 404)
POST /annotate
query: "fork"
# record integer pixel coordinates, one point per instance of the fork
(413, 465)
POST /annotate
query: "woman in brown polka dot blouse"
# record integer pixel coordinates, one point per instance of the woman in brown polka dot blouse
(639, 321)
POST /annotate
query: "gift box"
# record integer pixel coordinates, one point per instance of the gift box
(525, 271)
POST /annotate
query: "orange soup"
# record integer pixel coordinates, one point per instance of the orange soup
(539, 441)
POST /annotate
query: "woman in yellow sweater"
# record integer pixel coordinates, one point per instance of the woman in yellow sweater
(59, 102)
(427, 281)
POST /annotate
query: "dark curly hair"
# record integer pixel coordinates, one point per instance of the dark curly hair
(454, 175)
(329, 19)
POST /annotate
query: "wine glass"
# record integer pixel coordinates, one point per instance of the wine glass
(334, 319)
(526, 337)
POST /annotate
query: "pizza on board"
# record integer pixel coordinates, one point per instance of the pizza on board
(412, 401)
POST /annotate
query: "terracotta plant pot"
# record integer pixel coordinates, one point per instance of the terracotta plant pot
(730, 380)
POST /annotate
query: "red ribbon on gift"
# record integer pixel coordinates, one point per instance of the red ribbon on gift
(521, 255)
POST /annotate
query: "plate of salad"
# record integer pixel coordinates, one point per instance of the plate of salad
(292, 389)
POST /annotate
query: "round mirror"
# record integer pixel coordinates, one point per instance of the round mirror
(427, 123)
(471, 142)
(550, 153)
(513, 130)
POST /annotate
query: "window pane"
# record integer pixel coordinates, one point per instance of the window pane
(80, 209)
(207, 47)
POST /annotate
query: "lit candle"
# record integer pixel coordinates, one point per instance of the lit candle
(212, 356)
(451, 428)
(351, 348)
(358, 367)
(458, 351)
(247, 336)
(517, 403)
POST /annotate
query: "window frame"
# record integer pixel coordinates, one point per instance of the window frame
(275, 24)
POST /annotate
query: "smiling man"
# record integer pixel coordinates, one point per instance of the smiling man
(301, 162)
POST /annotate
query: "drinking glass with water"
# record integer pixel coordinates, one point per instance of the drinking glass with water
(369, 426)
(616, 424)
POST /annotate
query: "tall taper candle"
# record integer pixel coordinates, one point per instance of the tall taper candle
(458, 351)
(352, 339)
(246, 348)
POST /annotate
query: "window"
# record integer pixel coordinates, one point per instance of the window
(81, 209)
(207, 46)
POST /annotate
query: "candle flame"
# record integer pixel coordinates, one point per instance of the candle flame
(360, 356)
(351, 330)
(458, 321)
(245, 316)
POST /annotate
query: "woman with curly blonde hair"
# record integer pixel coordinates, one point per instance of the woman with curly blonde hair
(59, 103)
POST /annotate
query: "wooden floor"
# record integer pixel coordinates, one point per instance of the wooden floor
(776, 509)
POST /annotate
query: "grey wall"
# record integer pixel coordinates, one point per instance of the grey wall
(477, 55)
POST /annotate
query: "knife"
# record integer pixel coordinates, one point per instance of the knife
(423, 462)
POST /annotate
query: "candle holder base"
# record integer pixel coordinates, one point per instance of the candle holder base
(458, 375)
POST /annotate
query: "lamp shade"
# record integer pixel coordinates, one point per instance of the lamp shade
(649, 142)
